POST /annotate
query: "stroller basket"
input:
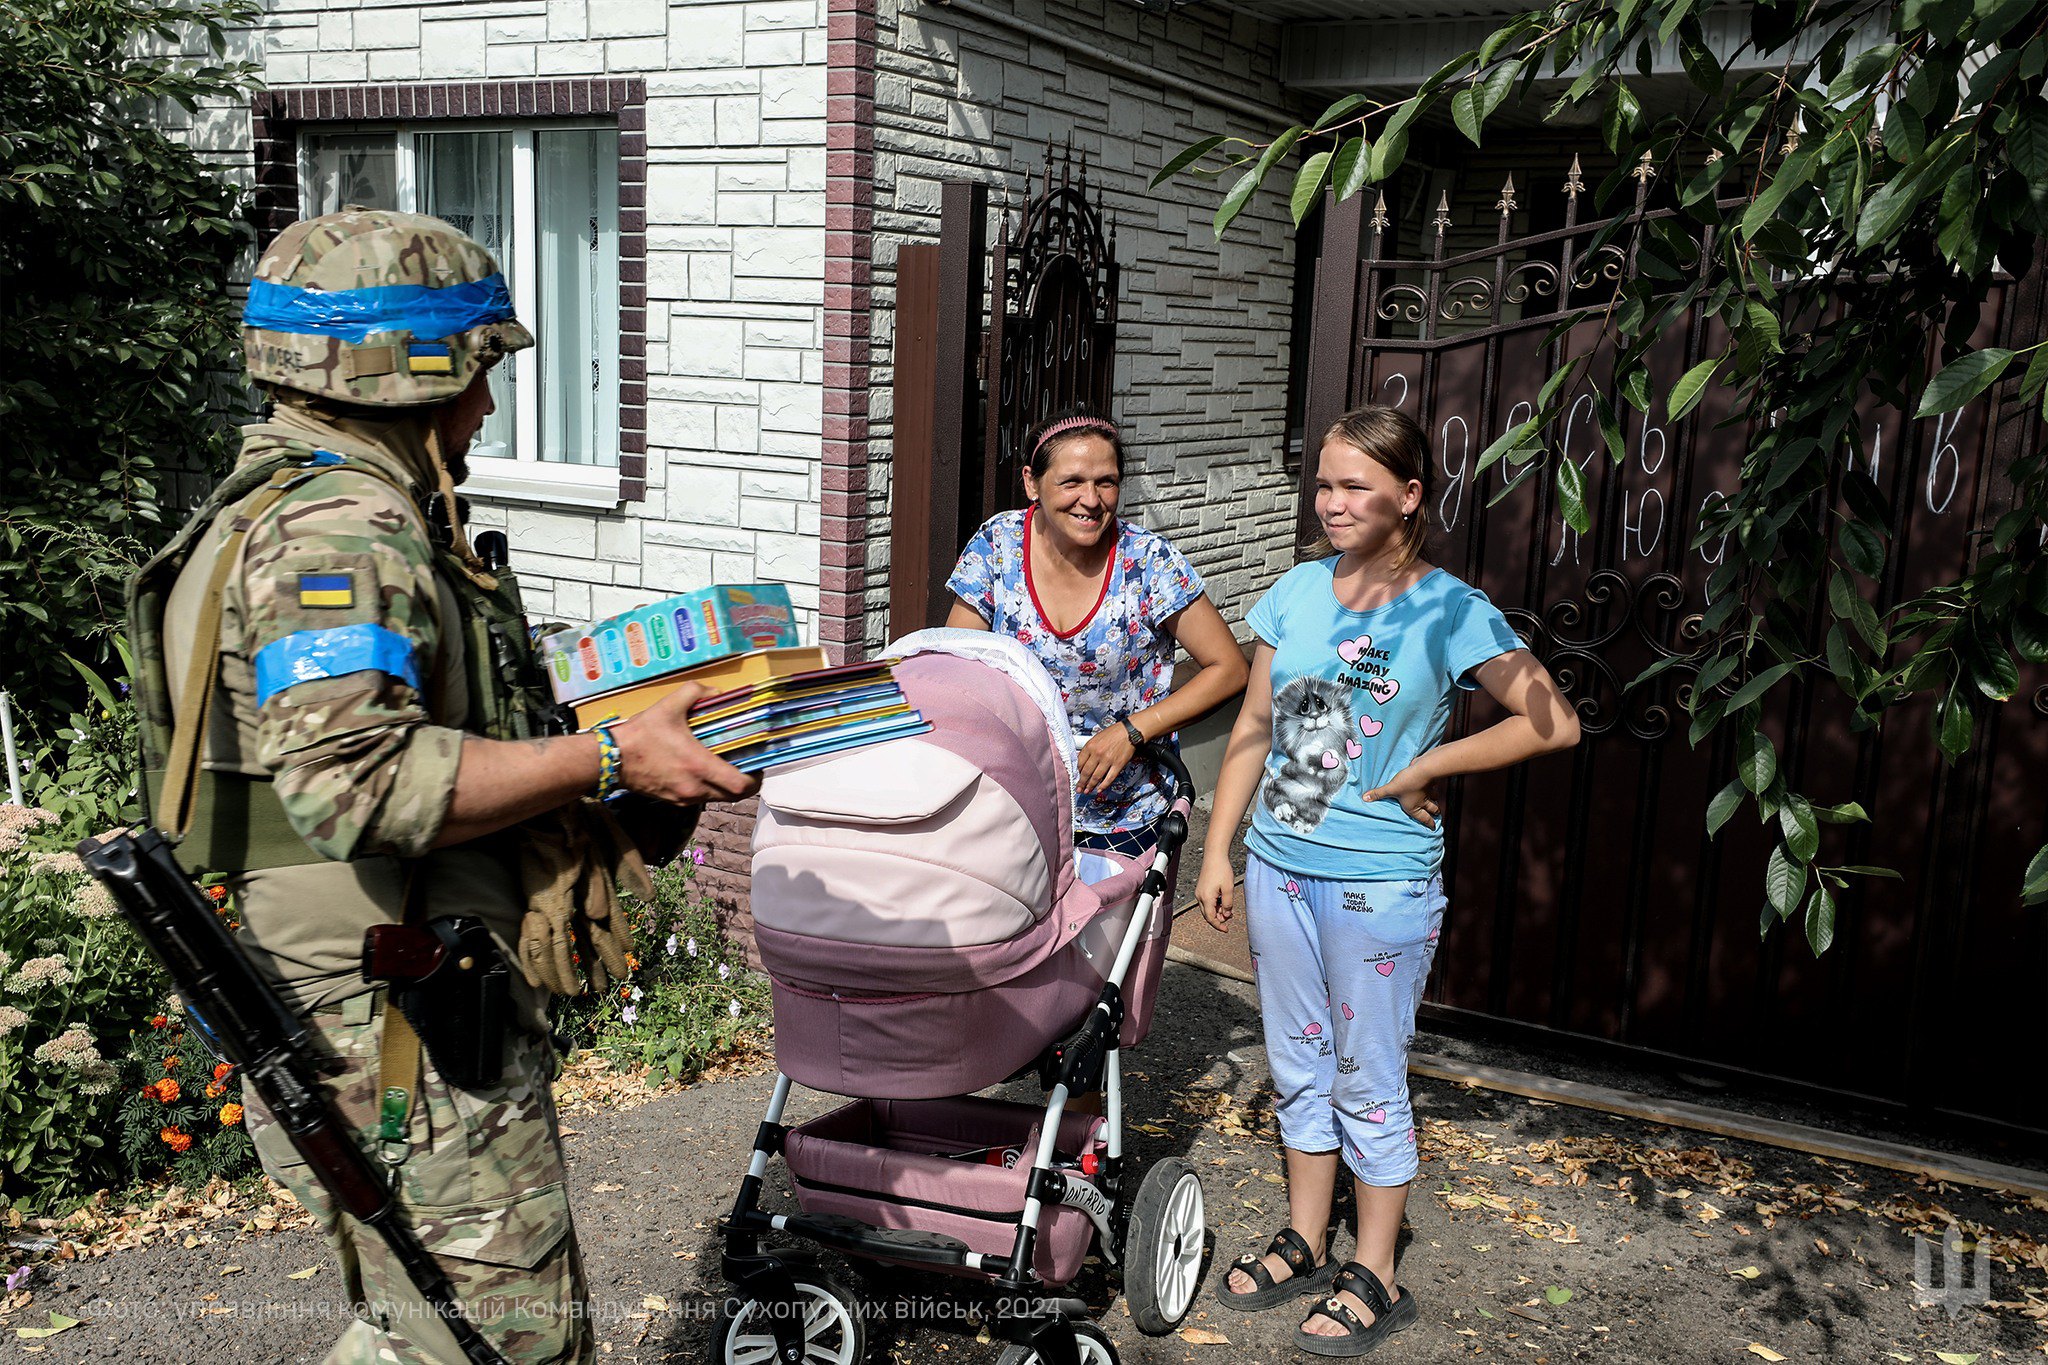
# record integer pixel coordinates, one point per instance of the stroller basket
(939, 1166)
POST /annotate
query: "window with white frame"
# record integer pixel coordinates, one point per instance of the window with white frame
(543, 198)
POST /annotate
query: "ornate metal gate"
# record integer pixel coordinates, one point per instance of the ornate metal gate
(1587, 899)
(966, 396)
(1051, 338)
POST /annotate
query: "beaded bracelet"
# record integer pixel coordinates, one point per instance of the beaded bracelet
(608, 778)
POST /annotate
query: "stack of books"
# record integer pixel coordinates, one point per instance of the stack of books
(807, 714)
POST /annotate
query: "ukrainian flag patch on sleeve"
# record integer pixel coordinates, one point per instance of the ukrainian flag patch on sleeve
(428, 358)
(326, 590)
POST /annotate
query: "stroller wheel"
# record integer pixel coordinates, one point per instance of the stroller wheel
(1089, 1340)
(833, 1332)
(1163, 1245)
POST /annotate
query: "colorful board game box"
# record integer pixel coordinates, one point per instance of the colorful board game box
(667, 636)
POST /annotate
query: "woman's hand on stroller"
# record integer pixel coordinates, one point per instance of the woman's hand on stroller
(1216, 891)
(1103, 758)
(661, 756)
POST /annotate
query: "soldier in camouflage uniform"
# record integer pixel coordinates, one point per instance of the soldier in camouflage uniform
(361, 759)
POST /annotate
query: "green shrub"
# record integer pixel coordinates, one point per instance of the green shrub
(691, 998)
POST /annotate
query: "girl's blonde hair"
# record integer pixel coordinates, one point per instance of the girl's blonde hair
(1391, 437)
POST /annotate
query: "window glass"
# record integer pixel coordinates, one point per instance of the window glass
(349, 169)
(465, 179)
(576, 200)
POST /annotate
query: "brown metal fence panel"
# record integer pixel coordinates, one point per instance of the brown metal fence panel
(1586, 897)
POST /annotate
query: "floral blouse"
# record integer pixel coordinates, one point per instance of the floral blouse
(1117, 661)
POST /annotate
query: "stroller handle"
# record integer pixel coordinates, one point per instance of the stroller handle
(1168, 763)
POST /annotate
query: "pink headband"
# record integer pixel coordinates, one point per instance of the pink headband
(1067, 424)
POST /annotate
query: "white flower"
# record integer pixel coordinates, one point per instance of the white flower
(733, 1009)
(636, 995)
(94, 901)
(724, 972)
(11, 1019)
(691, 947)
(672, 944)
(629, 1016)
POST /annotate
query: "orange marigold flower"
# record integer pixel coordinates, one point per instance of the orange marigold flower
(625, 992)
(158, 1021)
(632, 963)
(221, 1070)
(171, 1063)
(216, 893)
(175, 1140)
(215, 1091)
(230, 1115)
(167, 1090)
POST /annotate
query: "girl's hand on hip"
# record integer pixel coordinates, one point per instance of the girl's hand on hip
(1216, 891)
(1411, 789)
(1103, 757)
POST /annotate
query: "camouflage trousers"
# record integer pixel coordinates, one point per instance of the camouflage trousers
(484, 1189)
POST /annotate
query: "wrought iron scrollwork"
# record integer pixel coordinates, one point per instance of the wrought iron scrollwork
(1391, 310)
(1648, 615)
(1056, 300)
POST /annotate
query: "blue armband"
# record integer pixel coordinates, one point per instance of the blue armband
(309, 655)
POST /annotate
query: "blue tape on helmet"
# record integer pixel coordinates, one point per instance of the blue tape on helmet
(356, 314)
(309, 655)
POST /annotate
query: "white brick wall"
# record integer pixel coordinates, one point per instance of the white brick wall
(735, 243)
(1202, 347)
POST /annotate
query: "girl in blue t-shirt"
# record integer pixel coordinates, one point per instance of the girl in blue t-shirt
(1360, 650)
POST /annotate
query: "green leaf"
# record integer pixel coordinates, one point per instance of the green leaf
(1234, 202)
(1186, 157)
(1308, 185)
(1757, 686)
(1862, 549)
(1848, 813)
(1784, 881)
(1963, 379)
(1347, 171)
(1693, 383)
(1513, 438)
(1724, 805)
(1796, 171)
(1886, 211)
(1864, 870)
(1956, 726)
(2030, 636)
(2037, 373)
(2034, 886)
(1801, 829)
(1347, 105)
(1759, 762)
(1571, 495)
(2026, 145)
(1465, 113)
(1820, 920)
(1556, 1296)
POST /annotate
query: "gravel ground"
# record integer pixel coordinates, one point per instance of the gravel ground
(1673, 1246)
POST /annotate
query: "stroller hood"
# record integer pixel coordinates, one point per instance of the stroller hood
(942, 862)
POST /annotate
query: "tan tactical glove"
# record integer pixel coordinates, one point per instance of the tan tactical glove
(572, 861)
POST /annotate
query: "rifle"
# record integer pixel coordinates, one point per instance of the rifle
(275, 1049)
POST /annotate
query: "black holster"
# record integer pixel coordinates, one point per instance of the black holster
(455, 988)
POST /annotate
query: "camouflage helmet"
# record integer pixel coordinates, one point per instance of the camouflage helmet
(376, 307)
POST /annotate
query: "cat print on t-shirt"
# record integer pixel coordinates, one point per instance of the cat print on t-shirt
(1357, 695)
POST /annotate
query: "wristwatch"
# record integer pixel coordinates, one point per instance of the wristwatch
(1137, 736)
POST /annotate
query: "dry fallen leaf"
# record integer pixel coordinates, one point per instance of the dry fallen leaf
(1757, 1348)
(1748, 1272)
(655, 1302)
(60, 1323)
(1957, 1357)
(308, 1273)
(605, 1187)
(1203, 1336)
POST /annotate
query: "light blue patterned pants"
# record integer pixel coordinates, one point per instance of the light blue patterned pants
(1341, 967)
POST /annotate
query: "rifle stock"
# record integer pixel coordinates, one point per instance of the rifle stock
(278, 1053)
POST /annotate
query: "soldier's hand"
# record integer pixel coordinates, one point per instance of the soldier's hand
(660, 756)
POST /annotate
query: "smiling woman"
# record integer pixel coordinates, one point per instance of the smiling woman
(1102, 603)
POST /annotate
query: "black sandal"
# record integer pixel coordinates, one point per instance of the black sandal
(1388, 1315)
(1291, 1247)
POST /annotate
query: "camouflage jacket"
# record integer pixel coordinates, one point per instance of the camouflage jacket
(342, 680)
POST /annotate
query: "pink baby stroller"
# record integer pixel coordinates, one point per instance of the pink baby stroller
(928, 933)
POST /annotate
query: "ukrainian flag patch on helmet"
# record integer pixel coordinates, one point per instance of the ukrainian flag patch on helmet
(326, 590)
(426, 358)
